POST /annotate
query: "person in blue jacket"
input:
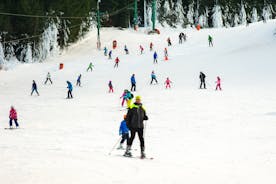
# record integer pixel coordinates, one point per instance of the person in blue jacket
(124, 132)
(133, 83)
(155, 57)
(105, 51)
(110, 54)
(70, 89)
(79, 80)
(34, 88)
(153, 78)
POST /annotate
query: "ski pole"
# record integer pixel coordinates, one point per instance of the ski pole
(114, 145)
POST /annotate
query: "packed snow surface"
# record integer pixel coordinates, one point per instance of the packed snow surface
(195, 136)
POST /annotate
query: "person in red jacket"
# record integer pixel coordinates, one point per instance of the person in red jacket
(116, 62)
(168, 83)
(218, 83)
(13, 116)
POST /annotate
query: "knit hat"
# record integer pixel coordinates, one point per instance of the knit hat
(138, 98)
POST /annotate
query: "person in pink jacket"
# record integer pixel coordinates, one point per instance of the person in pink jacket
(13, 116)
(218, 83)
(168, 83)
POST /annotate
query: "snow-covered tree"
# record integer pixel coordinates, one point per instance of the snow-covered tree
(2, 56)
(254, 17)
(203, 19)
(28, 55)
(267, 14)
(179, 12)
(236, 20)
(242, 15)
(217, 17)
(190, 14)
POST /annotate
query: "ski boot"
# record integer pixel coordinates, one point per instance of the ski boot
(143, 155)
(128, 153)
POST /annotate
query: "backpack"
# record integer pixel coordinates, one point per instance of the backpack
(131, 96)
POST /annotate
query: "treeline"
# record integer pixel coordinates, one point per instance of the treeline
(65, 21)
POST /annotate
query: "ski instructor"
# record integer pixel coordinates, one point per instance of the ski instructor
(134, 120)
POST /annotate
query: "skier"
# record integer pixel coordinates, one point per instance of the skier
(168, 83)
(166, 54)
(105, 51)
(13, 116)
(184, 37)
(124, 132)
(110, 87)
(153, 78)
(210, 40)
(202, 80)
(48, 78)
(90, 67)
(134, 120)
(133, 83)
(141, 49)
(34, 88)
(79, 80)
(127, 96)
(126, 49)
(155, 57)
(70, 89)
(110, 54)
(169, 41)
(218, 83)
(116, 62)
(151, 46)
(180, 38)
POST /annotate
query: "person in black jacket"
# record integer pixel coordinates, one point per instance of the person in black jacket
(134, 120)
(202, 80)
(34, 88)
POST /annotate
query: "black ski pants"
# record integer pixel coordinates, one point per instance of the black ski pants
(140, 132)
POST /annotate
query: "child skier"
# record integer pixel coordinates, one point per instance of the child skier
(141, 49)
(127, 96)
(153, 78)
(124, 132)
(70, 89)
(155, 57)
(34, 88)
(218, 83)
(202, 77)
(166, 54)
(79, 80)
(126, 49)
(110, 87)
(210, 40)
(90, 67)
(105, 51)
(168, 83)
(48, 77)
(13, 116)
(116, 62)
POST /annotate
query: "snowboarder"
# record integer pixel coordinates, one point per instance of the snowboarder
(90, 67)
(124, 132)
(105, 51)
(218, 83)
(168, 83)
(133, 83)
(110, 87)
(126, 49)
(70, 89)
(116, 62)
(79, 80)
(169, 41)
(151, 46)
(13, 116)
(153, 78)
(202, 77)
(110, 54)
(155, 57)
(141, 49)
(210, 40)
(48, 77)
(134, 120)
(34, 88)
